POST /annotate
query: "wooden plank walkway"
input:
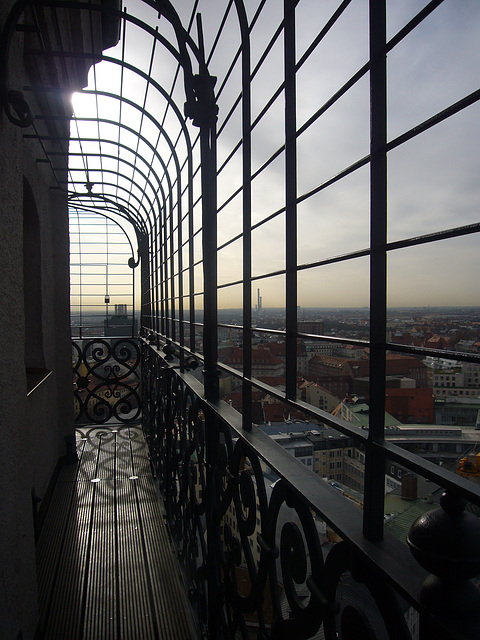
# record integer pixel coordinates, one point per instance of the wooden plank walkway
(105, 564)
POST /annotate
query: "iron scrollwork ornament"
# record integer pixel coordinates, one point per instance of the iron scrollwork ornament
(366, 607)
(174, 427)
(106, 377)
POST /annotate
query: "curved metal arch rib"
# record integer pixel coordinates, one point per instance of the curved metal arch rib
(170, 102)
(155, 122)
(119, 203)
(120, 188)
(102, 212)
(184, 42)
(145, 221)
(125, 210)
(155, 153)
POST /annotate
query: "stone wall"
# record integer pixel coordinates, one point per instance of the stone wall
(34, 330)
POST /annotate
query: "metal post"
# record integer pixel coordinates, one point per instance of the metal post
(374, 459)
(290, 201)
(210, 352)
(145, 308)
(205, 116)
(247, 217)
(209, 242)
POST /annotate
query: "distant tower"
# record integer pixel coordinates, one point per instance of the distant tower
(259, 300)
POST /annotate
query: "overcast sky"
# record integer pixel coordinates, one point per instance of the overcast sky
(433, 179)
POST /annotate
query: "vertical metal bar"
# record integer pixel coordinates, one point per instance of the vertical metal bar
(154, 276)
(133, 304)
(164, 273)
(375, 460)
(172, 267)
(211, 386)
(168, 435)
(191, 256)
(290, 200)
(148, 293)
(151, 278)
(146, 287)
(161, 272)
(208, 157)
(247, 218)
(181, 327)
(158, 273)
(209, 246)
(212, 436)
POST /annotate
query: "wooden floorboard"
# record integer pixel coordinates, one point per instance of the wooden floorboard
(106, 568)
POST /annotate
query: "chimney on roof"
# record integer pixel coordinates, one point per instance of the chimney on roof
(409, 487)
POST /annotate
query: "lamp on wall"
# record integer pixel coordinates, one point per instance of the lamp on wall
(107, 301)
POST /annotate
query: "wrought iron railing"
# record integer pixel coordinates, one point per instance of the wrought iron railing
(245, 516)
(106, 380)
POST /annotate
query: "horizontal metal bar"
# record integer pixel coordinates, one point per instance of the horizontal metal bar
(350, 341)
(435, 353)
(362, 253)
(455, 232)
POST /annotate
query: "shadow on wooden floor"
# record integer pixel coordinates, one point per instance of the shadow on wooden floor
(106, 567)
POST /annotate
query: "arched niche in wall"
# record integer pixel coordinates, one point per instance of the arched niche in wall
(32, 291)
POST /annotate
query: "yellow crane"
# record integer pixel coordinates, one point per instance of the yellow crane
(469, 466)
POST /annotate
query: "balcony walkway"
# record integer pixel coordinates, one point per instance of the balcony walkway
(106, 568)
